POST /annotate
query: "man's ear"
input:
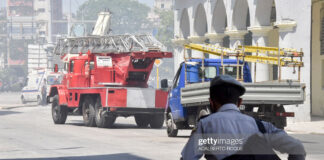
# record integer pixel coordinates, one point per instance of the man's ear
(239, 102)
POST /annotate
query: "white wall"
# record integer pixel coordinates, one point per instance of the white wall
(290, 36)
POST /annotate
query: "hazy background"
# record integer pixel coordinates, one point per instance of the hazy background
(76, 3)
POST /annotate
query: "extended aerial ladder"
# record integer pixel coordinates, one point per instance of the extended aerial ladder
(101, 42)
(282, 57)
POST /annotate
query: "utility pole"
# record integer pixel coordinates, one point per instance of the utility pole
(69, 19)
(49, 40)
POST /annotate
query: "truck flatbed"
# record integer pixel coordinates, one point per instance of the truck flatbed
(285, 93)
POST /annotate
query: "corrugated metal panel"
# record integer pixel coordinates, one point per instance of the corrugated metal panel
(256, 93)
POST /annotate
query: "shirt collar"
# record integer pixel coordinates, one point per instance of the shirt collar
(227, 107)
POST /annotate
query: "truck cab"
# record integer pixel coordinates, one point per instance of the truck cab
(192, 72)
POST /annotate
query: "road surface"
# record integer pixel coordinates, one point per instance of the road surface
(28, 132)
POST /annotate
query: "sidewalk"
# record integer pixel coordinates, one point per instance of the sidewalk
(316, 126)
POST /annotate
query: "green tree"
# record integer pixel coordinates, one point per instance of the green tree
(166, 28)
(127, 16)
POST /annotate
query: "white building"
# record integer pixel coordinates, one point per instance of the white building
(48, 16)
(28, 19)
(284, 23)
(163, 4)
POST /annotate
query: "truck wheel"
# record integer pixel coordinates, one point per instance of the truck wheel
(103, 120)
(156, 121)
(59, 113)
(23, 101)
(171, 126)
(88, 112)
(142, 121)
(39, 100)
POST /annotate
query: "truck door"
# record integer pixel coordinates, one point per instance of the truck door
(175, 95)
(70, 74)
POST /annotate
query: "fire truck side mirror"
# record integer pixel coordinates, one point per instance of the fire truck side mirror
(164, 84)
(55, 68)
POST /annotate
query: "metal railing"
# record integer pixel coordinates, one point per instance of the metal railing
(108, 44)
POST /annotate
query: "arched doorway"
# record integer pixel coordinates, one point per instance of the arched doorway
(184, 24)
(240, 21)
(200, 24)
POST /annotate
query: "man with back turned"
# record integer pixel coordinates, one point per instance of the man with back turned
(214, 134)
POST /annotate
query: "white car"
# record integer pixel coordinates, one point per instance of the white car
(32, 91)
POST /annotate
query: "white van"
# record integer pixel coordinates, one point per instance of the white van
(32, 91)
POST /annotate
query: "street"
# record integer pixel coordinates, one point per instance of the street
(29, 133)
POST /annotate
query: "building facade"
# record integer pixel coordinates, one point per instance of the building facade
(35, 19)
(264, 23)
(163, 4)
(30, 22)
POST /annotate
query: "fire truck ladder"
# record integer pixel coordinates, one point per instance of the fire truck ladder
(108, 44)
(282, 57)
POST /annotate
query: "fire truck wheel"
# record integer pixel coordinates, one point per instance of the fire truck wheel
(142, 121)
(171, 126)
(88, 111)
(102, 120)
(156, 121)
(59, 113)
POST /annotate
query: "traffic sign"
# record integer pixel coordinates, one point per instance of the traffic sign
(158, 62)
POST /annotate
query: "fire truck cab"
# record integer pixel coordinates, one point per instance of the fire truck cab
(103, 86)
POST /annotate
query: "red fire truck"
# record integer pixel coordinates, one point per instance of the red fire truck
(109, 80)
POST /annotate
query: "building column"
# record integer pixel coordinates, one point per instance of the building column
(178, 52)
(236, 37)
(286, 29)
(260, 38)
(197, 40)
(215, 39)
(290, 38)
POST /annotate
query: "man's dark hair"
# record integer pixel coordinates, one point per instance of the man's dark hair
(224, 94)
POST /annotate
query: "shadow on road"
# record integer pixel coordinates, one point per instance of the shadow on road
(119, 156)
(116, 125)
(3, 113)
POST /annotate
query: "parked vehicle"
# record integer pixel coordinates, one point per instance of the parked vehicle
(33, 87)
(189, 95)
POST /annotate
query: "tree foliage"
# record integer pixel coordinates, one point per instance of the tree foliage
(166, 28)
(128, 16)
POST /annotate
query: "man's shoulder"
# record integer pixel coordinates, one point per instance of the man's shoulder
(226, 115)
